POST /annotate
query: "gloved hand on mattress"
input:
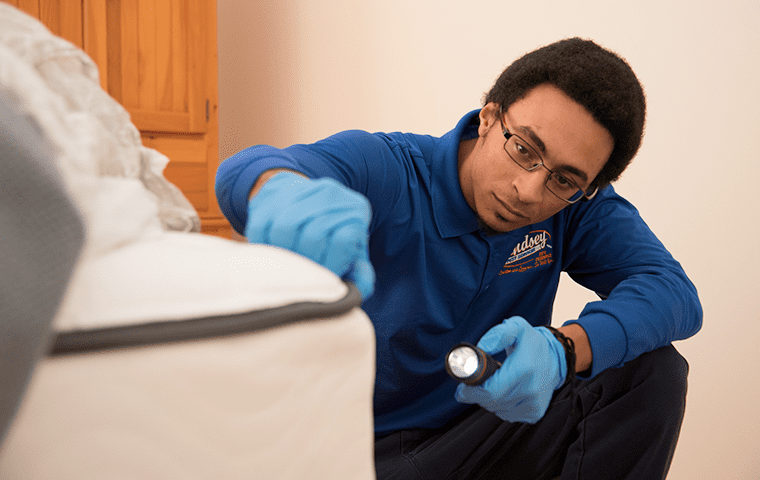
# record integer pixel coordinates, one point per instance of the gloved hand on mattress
(521, 389)
(320, 219)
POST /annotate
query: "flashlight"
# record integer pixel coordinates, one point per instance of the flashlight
(470, 365)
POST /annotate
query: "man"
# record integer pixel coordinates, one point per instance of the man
(467, 235)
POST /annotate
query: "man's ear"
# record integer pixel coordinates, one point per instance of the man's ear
(489, 116)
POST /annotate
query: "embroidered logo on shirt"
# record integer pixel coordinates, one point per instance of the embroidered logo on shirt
(530, 253)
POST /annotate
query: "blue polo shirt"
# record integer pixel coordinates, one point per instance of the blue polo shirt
(441, 281)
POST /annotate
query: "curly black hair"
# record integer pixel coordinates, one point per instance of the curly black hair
(593, 76)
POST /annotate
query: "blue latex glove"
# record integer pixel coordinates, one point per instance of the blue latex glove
(320, 219)
(521, 389)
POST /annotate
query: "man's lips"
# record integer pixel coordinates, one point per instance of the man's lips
(509, 209)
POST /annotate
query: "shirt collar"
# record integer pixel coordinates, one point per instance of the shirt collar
(453, 215)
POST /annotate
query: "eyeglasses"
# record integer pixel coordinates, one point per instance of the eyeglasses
(528, 159)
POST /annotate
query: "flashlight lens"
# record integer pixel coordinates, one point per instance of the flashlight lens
(463, 361)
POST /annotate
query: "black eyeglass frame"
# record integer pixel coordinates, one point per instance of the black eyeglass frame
(507, 135)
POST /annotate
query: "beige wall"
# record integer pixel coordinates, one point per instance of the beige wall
(296, 71)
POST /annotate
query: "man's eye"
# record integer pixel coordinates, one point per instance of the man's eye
(563, 182)
(523, 150)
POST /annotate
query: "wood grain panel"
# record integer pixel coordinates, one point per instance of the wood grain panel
(95, 37)
(180, 95)
(147, 44)
(191, 179)
(64, 18)
(188, 148)
(129, 50)
(197, 22)
(32, 7)
(160, 82)
(188, 165)
(163, 57)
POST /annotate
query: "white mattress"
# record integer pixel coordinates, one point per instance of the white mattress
(266, 371)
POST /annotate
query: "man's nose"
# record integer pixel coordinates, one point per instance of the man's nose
(530, 185)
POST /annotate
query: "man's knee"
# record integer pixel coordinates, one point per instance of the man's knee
(667, 367)
(656, 382)
(638, 410)
(663, 374)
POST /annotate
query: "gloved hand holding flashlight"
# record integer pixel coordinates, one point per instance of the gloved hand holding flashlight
(521, 389)
(319, 219)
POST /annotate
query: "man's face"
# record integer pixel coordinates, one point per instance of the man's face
(505, 196)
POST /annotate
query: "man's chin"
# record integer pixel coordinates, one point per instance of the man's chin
(487, 230)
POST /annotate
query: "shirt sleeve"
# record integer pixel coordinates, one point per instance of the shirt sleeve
(647, 299)
(352, 158)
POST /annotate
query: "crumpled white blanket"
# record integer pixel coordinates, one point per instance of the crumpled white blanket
(117, 182)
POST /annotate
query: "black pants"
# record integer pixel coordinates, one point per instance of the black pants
(623, 423)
